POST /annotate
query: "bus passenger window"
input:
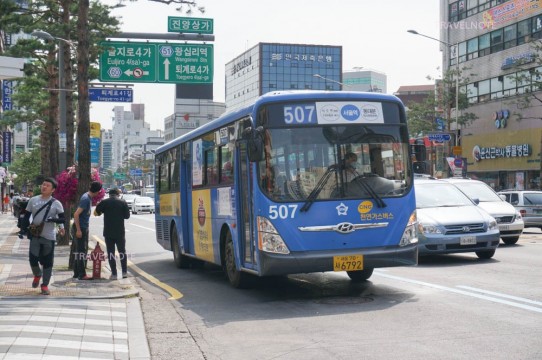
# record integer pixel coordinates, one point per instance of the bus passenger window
(226, 175)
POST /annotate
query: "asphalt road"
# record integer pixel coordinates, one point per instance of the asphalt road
(447, 307)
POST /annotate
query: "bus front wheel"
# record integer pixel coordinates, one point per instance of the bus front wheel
(359, 276)
(181, 261)
(237, 279)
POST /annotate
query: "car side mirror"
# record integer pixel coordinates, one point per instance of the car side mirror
(476, 201)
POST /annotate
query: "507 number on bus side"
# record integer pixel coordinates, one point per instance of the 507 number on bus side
(282, 211)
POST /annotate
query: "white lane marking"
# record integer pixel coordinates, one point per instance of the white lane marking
(143, 227)
(461, 292)
(511, 297)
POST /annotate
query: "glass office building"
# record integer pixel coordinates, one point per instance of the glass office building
(269, 67)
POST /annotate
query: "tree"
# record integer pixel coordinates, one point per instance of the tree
(27, 168)
(422, 116)
(529, 85)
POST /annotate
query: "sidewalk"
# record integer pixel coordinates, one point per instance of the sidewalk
(16, 277)
(92, 319)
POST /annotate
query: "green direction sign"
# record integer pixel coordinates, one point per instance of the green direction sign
(156, 62)
(185, 63)
(128, 61)
(189, 25)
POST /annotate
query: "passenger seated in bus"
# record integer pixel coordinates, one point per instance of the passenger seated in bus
(227, 172)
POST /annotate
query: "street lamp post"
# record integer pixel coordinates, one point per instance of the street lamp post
(62, 138)
(330, 80)
(456, 45)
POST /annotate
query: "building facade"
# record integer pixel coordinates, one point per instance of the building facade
(130, 134)
(271, 66)
(190, 114)
(360, 79)
(493, 41)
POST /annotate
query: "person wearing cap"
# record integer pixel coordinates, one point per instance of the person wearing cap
(115, 211)
(81, 220)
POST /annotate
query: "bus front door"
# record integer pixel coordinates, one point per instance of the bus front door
(245, 211)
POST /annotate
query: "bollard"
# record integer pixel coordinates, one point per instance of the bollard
(97, 256)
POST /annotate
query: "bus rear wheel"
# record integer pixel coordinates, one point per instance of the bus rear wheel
(359, 276)
(237, 279)
(181, 261)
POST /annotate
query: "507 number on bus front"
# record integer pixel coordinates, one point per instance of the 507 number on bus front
(299, 114)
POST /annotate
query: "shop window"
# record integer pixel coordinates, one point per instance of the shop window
(537, 27)
(462, 52)
(496, 41)
(484, 45)
(496, 85)
(524, 31)
(510, 35)
(472, 93)
(472, 49)
(483, 91)
(509, 85)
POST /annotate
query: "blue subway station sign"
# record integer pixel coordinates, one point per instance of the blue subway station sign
(111, 95)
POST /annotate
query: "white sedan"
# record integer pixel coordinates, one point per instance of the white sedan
(143, 203)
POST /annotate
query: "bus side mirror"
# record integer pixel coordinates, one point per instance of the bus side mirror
(254, 143)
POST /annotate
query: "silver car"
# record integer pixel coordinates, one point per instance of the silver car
(528, 203)
(509, 219)
(450, 222)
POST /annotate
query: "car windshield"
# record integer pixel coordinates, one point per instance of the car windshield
(478, 190)
(320, 163)
(439, 194)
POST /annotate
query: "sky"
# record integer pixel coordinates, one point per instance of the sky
(373, 35)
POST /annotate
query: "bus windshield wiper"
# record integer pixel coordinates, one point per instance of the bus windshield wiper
(318, 188)
(369, 190)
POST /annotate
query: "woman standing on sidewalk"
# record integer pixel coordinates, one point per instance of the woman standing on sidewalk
(45, 210)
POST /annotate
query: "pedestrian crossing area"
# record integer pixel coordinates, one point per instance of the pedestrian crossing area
(58, 329)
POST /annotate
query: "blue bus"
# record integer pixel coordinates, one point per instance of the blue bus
(297, 182)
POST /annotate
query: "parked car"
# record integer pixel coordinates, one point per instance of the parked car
(143, 204)
(509, 219)
(450, 222)
(528, 203)
(129, 198)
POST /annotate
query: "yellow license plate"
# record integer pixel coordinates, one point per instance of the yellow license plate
(348, 263)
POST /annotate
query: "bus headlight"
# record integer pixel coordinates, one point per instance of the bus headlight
(409, 235)
(269, 239)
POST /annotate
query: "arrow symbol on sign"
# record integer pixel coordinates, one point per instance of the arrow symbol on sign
(166, 69)
(140, 72)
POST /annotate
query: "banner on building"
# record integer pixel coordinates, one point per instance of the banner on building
(6, 147)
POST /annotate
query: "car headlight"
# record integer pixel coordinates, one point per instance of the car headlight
(518, 216)
(492, 225)
(269, 239)
(410, 236)
(425, 228)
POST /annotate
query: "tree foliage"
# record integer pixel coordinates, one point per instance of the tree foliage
(422, 116)
(27, 167)
(529, 86)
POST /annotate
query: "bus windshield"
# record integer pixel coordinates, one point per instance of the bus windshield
(333, 162)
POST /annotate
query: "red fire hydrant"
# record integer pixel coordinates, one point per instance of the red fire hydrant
(97, 256)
